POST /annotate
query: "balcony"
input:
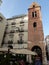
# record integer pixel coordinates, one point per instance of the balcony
(21, 30)
(21, 22)
(10, 42)
(18, 46)
(20, 41)
(21, 34)
(13, 23)
(12, 31)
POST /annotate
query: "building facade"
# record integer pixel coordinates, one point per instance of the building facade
(47, 46)
(2, 27)
(26, 32)
(35, 31)
(16, 33)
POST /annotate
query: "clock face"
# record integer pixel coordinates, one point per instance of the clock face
(1, 18)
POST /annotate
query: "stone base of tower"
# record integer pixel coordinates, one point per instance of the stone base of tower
(44, 58)
(40, 45)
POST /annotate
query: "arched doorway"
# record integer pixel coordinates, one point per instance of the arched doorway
(38, 58)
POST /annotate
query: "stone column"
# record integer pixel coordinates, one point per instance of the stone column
(30, 60)
(44, 59)
(27, 58)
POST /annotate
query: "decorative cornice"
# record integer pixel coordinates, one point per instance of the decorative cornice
(18, 16)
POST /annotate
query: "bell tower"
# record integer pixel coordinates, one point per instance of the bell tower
(35, 28)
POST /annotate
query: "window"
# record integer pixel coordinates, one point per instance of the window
(34, 24)
(10, 46)
(6, 24)
(20, 41)
(12, 31)
(13, 23)
(10, 42)
(21, 34)
(21, 25)
(21, 30)
(21, 22)
(6, 27)
(16, 30)
(34, 14)
(14, 27)
(11, 35)
(33, 6)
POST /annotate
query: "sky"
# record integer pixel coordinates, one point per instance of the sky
(11, 8)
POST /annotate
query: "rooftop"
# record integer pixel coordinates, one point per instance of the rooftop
(17, 16)
(34, 4)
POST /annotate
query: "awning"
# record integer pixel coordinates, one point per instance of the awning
(18, 51)
(23, 51)
(3, 49)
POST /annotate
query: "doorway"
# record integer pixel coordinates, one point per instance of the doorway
(37, 60)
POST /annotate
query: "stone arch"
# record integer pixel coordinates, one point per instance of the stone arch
(38, 50)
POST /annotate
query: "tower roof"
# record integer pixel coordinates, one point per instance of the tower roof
(34, 4)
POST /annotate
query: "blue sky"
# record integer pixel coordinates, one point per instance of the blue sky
(11, 8)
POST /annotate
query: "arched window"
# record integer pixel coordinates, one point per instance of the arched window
(33, 6)
(34, 24)
(34, 14)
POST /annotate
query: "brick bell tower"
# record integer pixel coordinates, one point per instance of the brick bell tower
(35, 31)
(35, 28)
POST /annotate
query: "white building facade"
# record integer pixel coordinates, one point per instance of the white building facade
(16, 32)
